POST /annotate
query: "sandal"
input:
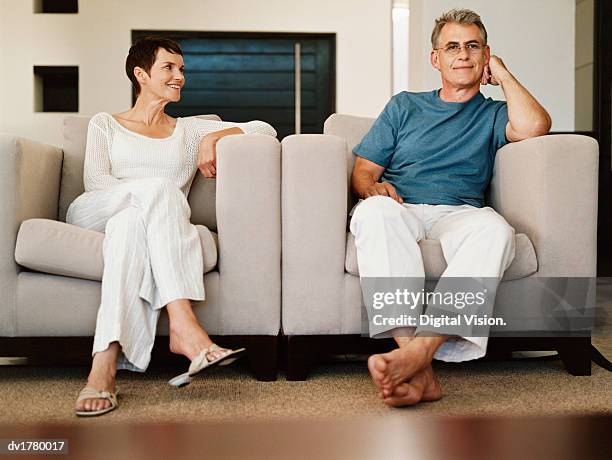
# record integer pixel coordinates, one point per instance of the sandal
(180, 380)
(201, 362)
(92, 393)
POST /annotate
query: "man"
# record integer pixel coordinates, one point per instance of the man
(422, 171)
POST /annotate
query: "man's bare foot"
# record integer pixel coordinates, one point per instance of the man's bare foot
(402, 363)
(423, 386)
(377, 364)
(102, 378)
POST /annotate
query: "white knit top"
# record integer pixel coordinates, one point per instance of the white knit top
(114, 152)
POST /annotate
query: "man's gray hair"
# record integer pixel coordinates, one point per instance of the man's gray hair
(458, 17)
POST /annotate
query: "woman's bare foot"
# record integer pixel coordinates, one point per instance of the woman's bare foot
(423, 386)
(186, 335)
(101, 377)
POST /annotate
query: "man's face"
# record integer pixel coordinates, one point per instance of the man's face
(463, 69)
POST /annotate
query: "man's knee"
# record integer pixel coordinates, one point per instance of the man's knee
(495, 227)
(375, 210)
(376, 207)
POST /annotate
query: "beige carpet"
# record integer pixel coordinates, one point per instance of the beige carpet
(341, 389)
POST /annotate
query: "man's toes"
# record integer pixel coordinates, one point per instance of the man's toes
(413, 391)
(376, 366)
(402, 390)
(377, 363)
(404, 395)
(387, 389)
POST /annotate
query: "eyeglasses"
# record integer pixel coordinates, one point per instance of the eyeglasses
(453, 49)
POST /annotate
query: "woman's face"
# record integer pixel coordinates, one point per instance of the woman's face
(166, 78)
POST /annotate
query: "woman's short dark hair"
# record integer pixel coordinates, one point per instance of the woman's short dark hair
(142, 54)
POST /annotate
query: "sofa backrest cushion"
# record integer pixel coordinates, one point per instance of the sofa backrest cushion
(352, 129)
(201, 196)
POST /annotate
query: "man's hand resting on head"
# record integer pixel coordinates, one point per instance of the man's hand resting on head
(207, 153)
(365, 181)
(494, 72)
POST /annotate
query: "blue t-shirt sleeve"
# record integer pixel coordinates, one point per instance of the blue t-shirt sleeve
(379, 143)
(499, 126)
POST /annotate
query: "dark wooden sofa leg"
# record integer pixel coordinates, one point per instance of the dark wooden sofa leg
(575, 352)
(262, 355)
(301, 355)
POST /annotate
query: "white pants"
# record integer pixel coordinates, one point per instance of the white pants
(476, 243)
(152, 256)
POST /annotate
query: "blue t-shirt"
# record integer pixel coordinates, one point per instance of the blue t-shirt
(437, 152)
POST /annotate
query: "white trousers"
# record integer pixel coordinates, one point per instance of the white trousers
(476, 243)
(152, 256)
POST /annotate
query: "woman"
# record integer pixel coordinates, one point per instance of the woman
(139, 166)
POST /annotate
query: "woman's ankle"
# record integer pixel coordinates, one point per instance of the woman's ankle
(104, 364)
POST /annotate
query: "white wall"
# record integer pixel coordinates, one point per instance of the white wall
(535, 39)
(98, 37)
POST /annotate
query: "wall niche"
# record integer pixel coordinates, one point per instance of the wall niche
(56, 6)
(56, 89)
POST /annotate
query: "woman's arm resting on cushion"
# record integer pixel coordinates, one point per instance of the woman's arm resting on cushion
(207, 154)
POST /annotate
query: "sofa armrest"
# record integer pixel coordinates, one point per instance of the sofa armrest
(249, 228)
(546, 187)
(314, 215)
(29, 186)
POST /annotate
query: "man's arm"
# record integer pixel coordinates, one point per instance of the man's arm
(365, 180)
(527, 118)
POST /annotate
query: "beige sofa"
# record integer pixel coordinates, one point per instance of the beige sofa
(50, 271)
(545, 187)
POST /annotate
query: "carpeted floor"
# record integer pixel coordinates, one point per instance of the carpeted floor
(334, 390)
(340, 389)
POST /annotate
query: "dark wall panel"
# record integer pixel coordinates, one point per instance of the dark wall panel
(246, 76)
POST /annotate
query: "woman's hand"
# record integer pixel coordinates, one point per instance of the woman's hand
(207, 154)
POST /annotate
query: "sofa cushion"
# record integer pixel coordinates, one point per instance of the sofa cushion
(523, 265)
(62, 249)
